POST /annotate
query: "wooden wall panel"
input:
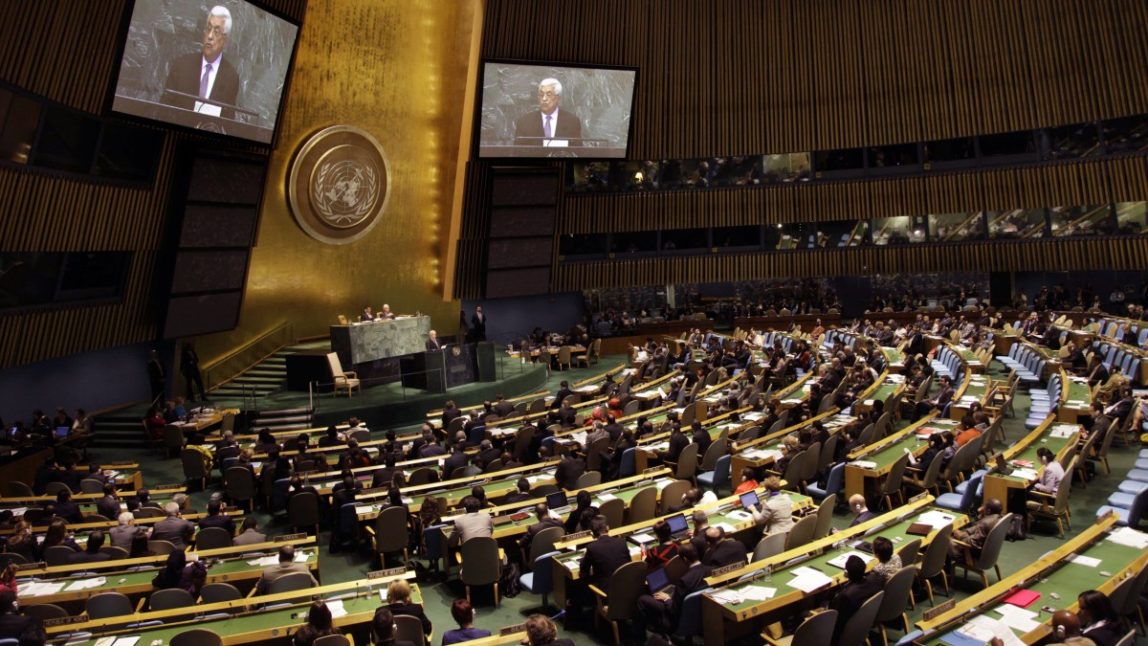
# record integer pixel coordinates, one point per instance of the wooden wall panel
(730, 77)
(65, 51)
(1075, 183)
(1037, 255)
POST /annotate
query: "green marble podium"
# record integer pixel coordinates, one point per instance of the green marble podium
(365, 342)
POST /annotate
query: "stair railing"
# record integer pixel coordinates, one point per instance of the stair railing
(218, 372)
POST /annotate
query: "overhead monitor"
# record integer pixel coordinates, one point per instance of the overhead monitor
(219, 66)
(555, 110)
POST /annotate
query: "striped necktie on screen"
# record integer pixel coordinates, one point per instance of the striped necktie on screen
(203, 81)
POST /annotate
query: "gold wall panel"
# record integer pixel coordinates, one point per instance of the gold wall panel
(397, 69)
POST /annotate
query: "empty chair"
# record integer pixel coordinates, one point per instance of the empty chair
(644, 505)
(716, 450)
(892, 485)
(391, 533)
(801, 533)
(196, 637)
(239, 483)
(588, 479)
(719, 477)
(216, 592)
(990, 551)
(17, 489)
(291, 582)
(615, 512)
(627, 583)
(53, 488)
(834, 482)
(343, 380)
(194, 466)
(933, 563)
(91, 485)
(114, 553)
(44, 611)
(409, 628)
(540, 580)
(58, 555)
(170, 598)
(339, 640)
(303, 511)
(211, 538)
(686, 467)
(480, 564)
(769, 545)
(817, 630)
(421, 476)
(108, 604)
(825, 517)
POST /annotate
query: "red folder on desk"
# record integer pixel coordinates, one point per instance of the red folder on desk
(1022, 598)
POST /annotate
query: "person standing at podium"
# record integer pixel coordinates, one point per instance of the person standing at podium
(432, 342)
(385, 314)
(478, 324)
(548, 123)
(368, 314)
(205, 74)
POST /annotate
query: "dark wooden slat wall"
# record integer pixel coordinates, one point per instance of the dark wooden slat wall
(1043, 255)
(1068, 184)
(65, 51)
(729, 77)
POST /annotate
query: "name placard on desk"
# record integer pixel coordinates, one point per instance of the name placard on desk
(30, 566)
(62, 621)
(726, 569)
(289, 537)
(939, 610)
(510, 630)
(382, 574)
(177, 485)
(575, 536)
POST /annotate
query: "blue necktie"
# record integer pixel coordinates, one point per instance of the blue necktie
(546, 132)
(204, 81)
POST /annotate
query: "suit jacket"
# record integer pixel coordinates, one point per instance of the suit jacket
(850, 599)
(250, 537)
(433, 345)
(517, 496)
(678, 442)
(219, 520)
(108, 507)
(454, 461)
(504, 409)
(562, 393)
(279, 569)
(568, 471)
(724, 553)
(862, 517)
(176, 530)
(121, 536)
(413, 610)
(13, 625)
(468, 526)
(604, 555)
(976, 533)
(184, 76)
(528, 128)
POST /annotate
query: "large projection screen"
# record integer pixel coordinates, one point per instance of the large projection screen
(584, 114)
(219, 66)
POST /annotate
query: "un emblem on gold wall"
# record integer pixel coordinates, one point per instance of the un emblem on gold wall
(337, 186)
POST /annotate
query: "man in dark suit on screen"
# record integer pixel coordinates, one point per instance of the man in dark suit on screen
(206, 73)
(548, 123)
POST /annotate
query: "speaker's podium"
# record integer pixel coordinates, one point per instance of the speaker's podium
(454, 365)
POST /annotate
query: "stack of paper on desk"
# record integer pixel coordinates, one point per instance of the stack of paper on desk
(808, 579)
(1123, 536)
(935, 518)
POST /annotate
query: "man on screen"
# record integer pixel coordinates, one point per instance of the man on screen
(549, 123)
(205, 74)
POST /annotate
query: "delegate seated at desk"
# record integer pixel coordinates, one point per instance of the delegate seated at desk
(286, 565)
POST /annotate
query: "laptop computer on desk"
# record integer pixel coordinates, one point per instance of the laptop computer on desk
(679, 529)
(558, 502)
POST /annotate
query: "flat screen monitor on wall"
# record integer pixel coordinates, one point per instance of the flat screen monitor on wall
(218, 66)
(554, 110)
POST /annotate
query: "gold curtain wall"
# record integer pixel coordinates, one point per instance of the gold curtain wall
(733, 77)
(397, 69)
(1061, 184)
(1029, 255)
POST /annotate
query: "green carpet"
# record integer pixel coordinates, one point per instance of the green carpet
(438, 596)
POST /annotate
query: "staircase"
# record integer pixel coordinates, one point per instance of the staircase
(121, 430)
(262, 379)
(283, 419)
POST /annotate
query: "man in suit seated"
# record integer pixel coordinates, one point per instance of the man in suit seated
(521, 492)
(860, 510)
(474, 523)
(722, 551)
(604, 554)
(174, 528)
(286, 565)
(543, 521)
(549, 122)
(972, 539)
(91, 553)
(563, 392)
(215, 518)
(205, 74)
(856, 591)
(249, 533)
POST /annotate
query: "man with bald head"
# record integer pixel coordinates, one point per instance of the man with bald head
(549, 123)
(432, 342)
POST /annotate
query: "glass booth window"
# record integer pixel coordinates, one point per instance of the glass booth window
(680, 239)
(796, 236)
(1016, 224)
(898, 230)
(842, 233)
(747, 237)
(955, 227)
(1132, 218)
(1090, 220)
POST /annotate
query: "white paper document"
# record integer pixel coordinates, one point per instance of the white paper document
(265, 561)
(1018, 618)
(1064, 431)
(864, 464)
(807, 579)
(935, 518)
(1086, 561)
(839, 560)
(337, 609)
(85, 584)
(729, 597)
(1123, 536)
(41, 588)
(983, 628)
(758, 593)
